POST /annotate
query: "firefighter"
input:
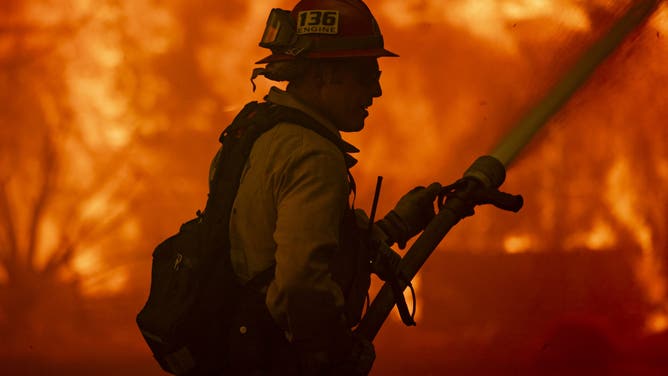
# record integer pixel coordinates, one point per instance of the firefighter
(292, 213)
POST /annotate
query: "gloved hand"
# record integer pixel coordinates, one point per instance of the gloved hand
(411, 214)
(385, 263)
(356, 360)
(361, 358)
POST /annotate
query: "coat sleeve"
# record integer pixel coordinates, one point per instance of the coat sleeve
(311, 194)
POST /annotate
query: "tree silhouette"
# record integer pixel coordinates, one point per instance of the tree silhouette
(91, 114)
(61, 190)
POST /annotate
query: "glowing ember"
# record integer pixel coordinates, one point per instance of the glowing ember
(98, 279)
(600, 237)
(109, 282)
(88, 263)
(517, 243)
(657, 322)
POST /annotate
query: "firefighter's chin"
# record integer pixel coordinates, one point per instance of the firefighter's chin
(354, 122)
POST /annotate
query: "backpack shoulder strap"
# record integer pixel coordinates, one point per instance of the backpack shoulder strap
(237, 140)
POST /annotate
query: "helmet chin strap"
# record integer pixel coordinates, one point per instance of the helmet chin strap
(257, 72)
(273, 75)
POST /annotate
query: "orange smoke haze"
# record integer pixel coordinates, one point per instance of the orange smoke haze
(110, 112)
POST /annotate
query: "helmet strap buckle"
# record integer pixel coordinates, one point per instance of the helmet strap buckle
(294, 51)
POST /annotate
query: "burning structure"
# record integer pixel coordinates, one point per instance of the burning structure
(111, 112)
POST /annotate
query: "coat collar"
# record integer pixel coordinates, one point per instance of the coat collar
(284, 98)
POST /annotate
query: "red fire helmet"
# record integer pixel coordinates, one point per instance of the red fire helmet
(319, 29)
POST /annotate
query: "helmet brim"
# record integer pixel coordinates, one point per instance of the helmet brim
(375, 52)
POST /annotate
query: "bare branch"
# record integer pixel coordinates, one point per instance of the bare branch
(43, 195)
(8, 220)
(66, 248)
(4, 249)
(61, 258)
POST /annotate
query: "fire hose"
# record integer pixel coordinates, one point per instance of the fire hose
(479, 184)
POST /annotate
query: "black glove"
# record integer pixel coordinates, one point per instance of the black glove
(385, 263)
(411, 214)
(360, 360)
(357, 359)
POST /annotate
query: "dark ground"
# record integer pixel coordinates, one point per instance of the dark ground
(574, 313)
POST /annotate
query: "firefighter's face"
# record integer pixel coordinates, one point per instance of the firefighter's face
(349, 90)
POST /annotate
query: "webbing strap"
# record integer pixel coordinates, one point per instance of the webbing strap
(407, 317)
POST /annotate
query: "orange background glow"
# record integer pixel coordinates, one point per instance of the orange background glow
(110, 112)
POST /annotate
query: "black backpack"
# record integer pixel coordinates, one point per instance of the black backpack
(195, 297)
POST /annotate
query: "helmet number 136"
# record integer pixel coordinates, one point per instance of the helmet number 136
(318, 21)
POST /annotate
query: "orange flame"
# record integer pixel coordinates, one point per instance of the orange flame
(128, 76)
